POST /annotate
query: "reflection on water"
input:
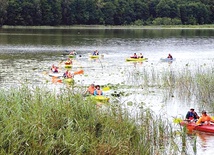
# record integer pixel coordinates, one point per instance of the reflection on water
(204, 141)
(26, 54)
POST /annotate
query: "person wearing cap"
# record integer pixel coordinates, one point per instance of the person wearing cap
(192, 115)
(204, 119)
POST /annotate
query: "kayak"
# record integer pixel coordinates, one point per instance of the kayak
(167, 59)
(94, 56)
(68, 81)
(68, 66)
(136, 59)
(55, 74)
(100, 98)
(72, 56)
(193, 126)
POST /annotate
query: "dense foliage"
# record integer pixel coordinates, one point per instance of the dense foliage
(106, 12)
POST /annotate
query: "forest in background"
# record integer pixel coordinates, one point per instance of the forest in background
(106, 12)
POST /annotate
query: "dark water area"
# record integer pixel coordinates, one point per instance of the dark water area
(26, 55)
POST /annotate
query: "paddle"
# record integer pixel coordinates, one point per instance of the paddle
(78, 72)
(56, 79)
(177, 120)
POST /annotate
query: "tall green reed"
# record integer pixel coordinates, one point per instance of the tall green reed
(40, 121)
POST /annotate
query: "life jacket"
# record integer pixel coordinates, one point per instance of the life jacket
(204, 119)
(69, 75)
(99, 92)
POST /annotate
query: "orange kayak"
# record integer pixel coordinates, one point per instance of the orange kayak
(194, 126)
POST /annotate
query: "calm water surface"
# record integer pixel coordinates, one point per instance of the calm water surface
(27, 54)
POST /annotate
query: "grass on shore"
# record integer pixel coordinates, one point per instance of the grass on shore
(42, 122)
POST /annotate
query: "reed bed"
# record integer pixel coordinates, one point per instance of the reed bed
(186, 83)
(40, 121)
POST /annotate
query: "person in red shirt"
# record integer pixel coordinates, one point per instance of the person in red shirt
(134, 56)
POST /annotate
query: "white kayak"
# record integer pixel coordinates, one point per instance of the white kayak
(56, 74)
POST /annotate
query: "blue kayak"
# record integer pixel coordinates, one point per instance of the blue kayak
(167, 59)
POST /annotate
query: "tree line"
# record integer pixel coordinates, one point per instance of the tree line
(106, 12)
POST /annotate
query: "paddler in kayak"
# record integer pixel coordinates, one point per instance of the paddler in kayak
(68, 62)
(68, 75)
(96, 53)
(54, 69)
(97, 90)
(170, 56)
(134, 56)
(73, 53)
(91, 89)
(192, 115)
(140, 55)
(204, 119)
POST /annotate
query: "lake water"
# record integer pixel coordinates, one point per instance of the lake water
(26, 56)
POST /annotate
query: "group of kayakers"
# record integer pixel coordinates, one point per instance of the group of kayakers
(94, 90)
(135, 56)
(192, 116)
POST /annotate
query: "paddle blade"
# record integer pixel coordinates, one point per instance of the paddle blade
(177, 120)
(106, 88)
(78, 72)
(56, 79)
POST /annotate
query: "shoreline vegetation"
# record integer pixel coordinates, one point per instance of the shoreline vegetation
(39, 121)
(209, 26)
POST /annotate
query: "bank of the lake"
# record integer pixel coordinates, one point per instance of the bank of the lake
(211, 26)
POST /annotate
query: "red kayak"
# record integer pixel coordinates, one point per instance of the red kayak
(194, 126)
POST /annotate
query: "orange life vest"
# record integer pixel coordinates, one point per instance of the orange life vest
(91, 90)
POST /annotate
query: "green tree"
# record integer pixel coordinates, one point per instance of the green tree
(167, 8)
(3, 11)
(108, 11)
(196, 13)
(141, 10)
(67, 12)
(28, 12)
(94, 12)
(14, 12)
(56, 12)
(47, 15)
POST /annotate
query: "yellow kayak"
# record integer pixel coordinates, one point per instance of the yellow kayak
(136, 59)
(100, 98)
(72, 56)
(94, 56)
(68, 66)
(69, 81)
